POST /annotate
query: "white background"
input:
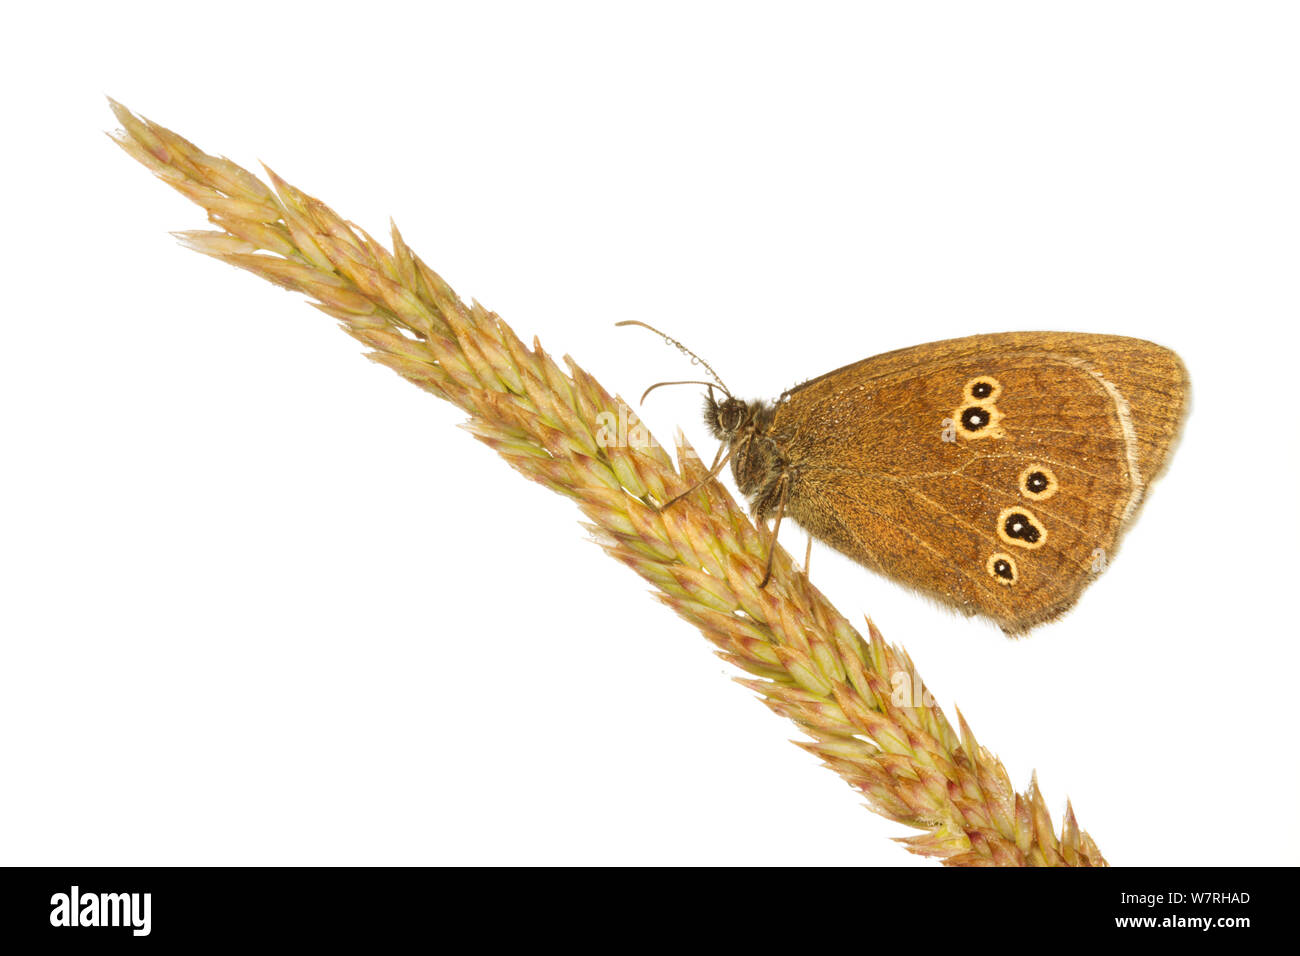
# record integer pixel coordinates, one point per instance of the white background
(261, 601)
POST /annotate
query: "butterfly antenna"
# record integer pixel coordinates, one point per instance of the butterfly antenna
(695, 359)
(709, 385)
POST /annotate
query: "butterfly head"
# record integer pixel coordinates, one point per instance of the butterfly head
(725, 418)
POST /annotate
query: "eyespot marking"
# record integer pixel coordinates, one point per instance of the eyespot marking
(1003, 568)
(978, 421)
(1038, 482)
(985, 388)
(978, 416)
(1019, 527)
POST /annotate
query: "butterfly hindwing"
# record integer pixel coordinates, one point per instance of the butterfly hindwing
(995, 473)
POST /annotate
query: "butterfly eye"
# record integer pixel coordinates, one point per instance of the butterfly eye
(1019, 527)
(1003, 568)
(1038, 482)
(730, 415)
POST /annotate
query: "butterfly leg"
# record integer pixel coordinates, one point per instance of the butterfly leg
(807, 557)
(719, 460)
(784, 482)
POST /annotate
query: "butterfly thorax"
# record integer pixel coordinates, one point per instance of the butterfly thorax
(757, 462)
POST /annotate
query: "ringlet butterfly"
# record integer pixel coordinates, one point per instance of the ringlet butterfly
(994, 473)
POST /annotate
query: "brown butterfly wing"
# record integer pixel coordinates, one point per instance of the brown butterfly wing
(995, 473)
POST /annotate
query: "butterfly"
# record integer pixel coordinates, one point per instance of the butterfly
(996, 474)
